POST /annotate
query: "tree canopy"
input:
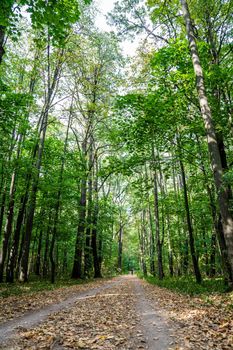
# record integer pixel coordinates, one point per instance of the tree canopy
(109, 163)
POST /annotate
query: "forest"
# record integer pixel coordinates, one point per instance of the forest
(116, 174)
(111, 163)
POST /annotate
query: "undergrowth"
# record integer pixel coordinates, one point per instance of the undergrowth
(35, 286)
(188, 285)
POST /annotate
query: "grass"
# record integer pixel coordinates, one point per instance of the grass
(188, 285)
(35, 286)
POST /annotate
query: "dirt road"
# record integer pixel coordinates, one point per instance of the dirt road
(115, 315)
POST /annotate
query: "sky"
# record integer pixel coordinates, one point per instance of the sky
(106, 6)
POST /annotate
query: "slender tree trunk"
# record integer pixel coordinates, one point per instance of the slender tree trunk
(97, 269)
(8, 227)
(51, 257)
(58, 201)
(38, 255)
(10, 212)
(205, 247)
(46, 249)
(152, 243)
(212, 270)
(88, 248)
(189, 225)
(215, 158)
(152, 236)
(94, 238)
(217, 228)
(16, 238)
(157, 223)
(64, 262)
(77, 265)
(120, 247)
(100, 251)
(182, 264)
(2, 210)
(32, 205)
(141, 236)
(2, 39)
(170, 250)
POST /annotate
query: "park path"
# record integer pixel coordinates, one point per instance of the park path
(115, 315)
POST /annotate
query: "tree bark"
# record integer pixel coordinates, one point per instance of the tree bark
(46, 249)
(120, 247)
(152, 242)
(141, 237)
(88, 247)
(157, 223)
(188, 218)
(2, 39)
(38, 255)
(8, 227)
(94, 238)
(215, 158)
(2, 210)
(77, 265)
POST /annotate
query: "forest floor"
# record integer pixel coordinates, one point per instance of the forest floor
(121, 313)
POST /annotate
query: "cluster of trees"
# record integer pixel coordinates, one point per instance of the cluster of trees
(178, 129)
(107, 166)
(58, 213)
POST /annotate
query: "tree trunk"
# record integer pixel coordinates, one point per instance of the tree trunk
(2, 210)
(10, 212)
(141, 238)
(152, 243)
(64, 261)
(157, 226)
(152, 236)
(215, 158)
(8, 227)
(2, 39)
(58, 201)
(205, 247)
(217, 227)
(189, 224)
(38, 255)
(51, 257)
(88, 248)
(170, 250)
(77, 265)
(94, 238)
(120, 247)
(97, 269)
(46, 249)
(23, 277)
(16, 239)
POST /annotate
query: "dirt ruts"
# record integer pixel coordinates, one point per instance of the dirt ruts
(115, 315)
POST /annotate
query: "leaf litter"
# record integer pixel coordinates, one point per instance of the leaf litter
(104, 321)
(15, 306)
(200, 323)
(109, 320)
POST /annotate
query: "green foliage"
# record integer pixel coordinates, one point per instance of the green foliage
(53, 17)
(187, 285)
(9, 289)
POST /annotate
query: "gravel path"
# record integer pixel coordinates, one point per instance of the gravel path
(116, 315)
(155, 325)
(9, 329)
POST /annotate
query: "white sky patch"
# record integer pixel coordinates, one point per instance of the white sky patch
(105, 6)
